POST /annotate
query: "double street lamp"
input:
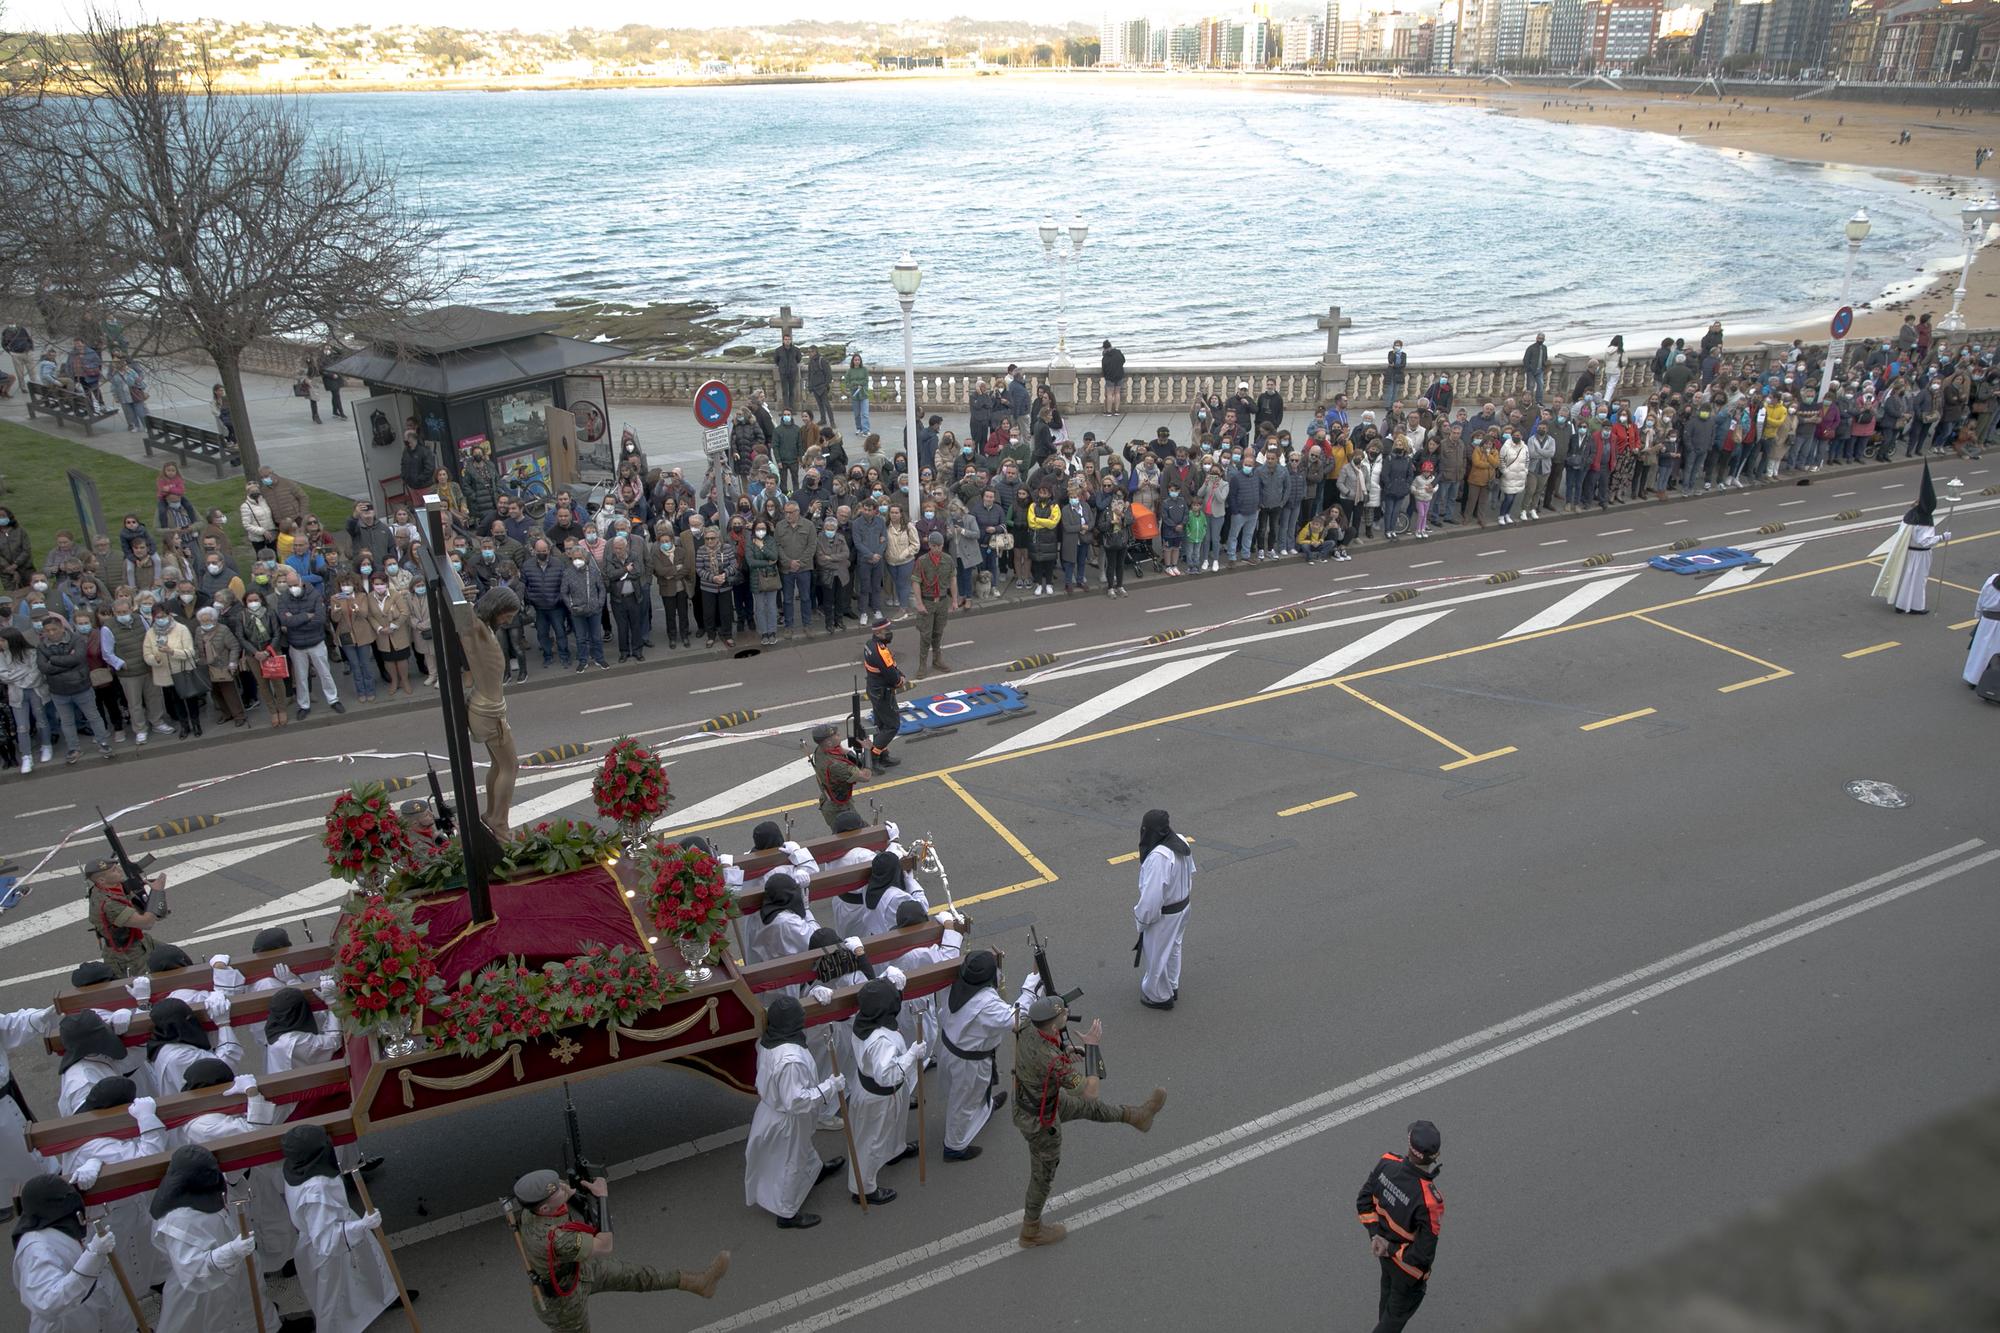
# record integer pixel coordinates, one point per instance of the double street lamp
(905, 276)
(1051, 234)
(1974, 219)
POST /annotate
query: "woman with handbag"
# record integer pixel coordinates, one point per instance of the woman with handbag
(21, 673)
(169, 650)
(96, 638)
(766, 579)
(390, 610)
(263, 637)
(221, 655)
(354, 629)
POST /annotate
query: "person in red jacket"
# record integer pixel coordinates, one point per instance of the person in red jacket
(1403, 1213)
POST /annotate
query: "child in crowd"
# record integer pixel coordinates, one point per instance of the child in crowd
(1423, 489)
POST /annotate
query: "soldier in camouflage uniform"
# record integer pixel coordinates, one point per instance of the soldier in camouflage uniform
(1050, 1087)
(570, 1260)
(119, 926)
(834, 773)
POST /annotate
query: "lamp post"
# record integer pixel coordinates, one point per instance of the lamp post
(1857, 232)
(1974, 219)
(1062, 371)
(906, 277)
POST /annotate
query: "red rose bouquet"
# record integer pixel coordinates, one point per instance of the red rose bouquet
(365, 839)
(505, 1005)
(631, 787)
(689, 901)
(384, 969)
(608, 984)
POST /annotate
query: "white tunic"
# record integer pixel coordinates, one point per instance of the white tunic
(205, 1294)
(341, 1269)
(1906, 573)
(918, 1020)
(1986, 634)
(880, 1123)
(982, 1024)
(854, 918)
(17, 1163)
(171, 1061)
(295, 1050)
(284, 977)
(785, 934)
(127, 1217)
(835, 1039)
(268, 1216)
(780, 1163)
(80, 1078)
(1165, 879)
(59, 1299)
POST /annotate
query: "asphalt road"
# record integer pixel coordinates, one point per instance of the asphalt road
(1575, 910)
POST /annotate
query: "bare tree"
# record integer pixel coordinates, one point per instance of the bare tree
(202, 221)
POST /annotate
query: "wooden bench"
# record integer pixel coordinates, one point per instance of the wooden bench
(192, 444)
(66, 405)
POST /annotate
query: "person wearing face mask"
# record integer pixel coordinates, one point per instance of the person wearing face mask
(17, 557)
(222, 655)
(302, 616)
(764, 578)
(354, 629)
(1403, 1212)
(62, 657)
(833, 564)
(389, 612)
(715, 571)
(671, 568)
(169, 649)
(257, 629)
(630, 592)
(584, 597)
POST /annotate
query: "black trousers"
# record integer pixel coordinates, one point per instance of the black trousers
(1401, 1295)
(675, 607)
(888, 719)
(627, 617)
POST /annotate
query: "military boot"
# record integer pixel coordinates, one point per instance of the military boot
(938, 663)
(703, 1283)
(1140, 1117)
(1041, 1233)
(922, 670)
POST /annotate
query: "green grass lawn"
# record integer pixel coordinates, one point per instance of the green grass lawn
(36, 470)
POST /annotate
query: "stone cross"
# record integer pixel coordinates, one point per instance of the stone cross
(1333, 322)
(785, 321)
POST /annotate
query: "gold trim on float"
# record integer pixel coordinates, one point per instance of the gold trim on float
(695, 1064)
(709, 1009)
(460, 1082)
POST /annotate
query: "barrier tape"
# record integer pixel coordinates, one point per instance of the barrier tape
(1166, 636)
(174, 828)
(724, 721)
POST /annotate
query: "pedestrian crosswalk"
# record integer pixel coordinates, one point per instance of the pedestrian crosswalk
(1736, 578)
(1079, 716)
(1570, 606)
(1348, 655)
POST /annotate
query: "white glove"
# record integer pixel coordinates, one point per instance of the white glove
(1031, 985)
(241, 1084)
(329, 986)
(361, 1226)
(121, 1021)
(101, 1242)
(833, 1087)
(790, 848)
(895, 834)
(236, 1251)
(84, 1175)
(953, 920)
(819, 994)
(141, 990)
(919, 1052)
(284, 975)
(726, 860)
(226, 978)
(89, 1264)
(218, 960)
(218, 1008)
(895, 977)
(852, 944)
(145, 1114)
(1944, 536)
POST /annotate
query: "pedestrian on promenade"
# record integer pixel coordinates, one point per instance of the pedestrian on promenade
(1535, 362)
(1111, 364)
(1398, 371)
(855, 384)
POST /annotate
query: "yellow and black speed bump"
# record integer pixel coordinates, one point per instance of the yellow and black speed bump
(1991, 490)
(1770, 528)
(1166, 636)
(724, 721)
(1031, 661)
(174, 828)
(1685, 543)
(555, 754)
(1592, 562)
(1400, 595)
(1504, 576)
(1287, 616)
(398, 784)
(1848, 515)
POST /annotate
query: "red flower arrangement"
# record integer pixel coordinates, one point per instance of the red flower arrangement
(504, 1005)
(689, 900)
(365, 839)
(632, 785)
(384, 969)
(608, 984)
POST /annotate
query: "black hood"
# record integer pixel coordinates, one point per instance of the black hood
(781, 893)
(910, 912)
(92, 974)
(1154, 830)
(848, 821)
(784, 1023)
(50, 1203)
(767, 836)
(277, 937)
(208, 1072)
(174, 1021)
(308, 1153)
(975, 974)
(193, 1180)
(291, 1011)
(883, 872)
(878, 1006)
(166, 957)
(86, 1034)
(1925, 509)
(109, 1093)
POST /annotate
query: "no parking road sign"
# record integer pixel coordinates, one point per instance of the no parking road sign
(1843, 320)
(711, 404)
(953, 708)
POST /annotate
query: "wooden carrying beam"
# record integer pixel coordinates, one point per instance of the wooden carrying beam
(238, 1152)
(244, 1011)
(798, 969)
(51, 1138)
(254, 967)
(826, 884)
(926, 980)
(875, 838)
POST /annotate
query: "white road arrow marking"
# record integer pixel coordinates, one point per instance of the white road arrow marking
(1362, 648)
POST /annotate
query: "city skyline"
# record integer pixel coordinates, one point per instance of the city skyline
(67, 15)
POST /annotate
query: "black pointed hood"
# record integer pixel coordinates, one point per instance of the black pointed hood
(208, 1072)
(193, 1180)
(784, 1023)
(291, 1011)
(1925, 509)
(1154, 830)
(85, 1035)
(781, 893)
(277, 937)
(108, 1094)
(50, 1203)
(767, 836)
(885, 870)
(975, 974)
(308, 1153)
(174, 1021)
(93, 973)
(166, 957)
(877, 1006)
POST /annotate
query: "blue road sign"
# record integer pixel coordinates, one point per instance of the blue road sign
(711, 403)
(936, 712)
(1708, 560)
(1843, 320)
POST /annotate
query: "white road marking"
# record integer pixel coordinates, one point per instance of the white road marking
(181, 875)
(1345, 656)
(1787, 504)
(52, 810)
(1269, 1133)
(961, 643)
(1620, 532)
(1570, 606)
(1560, 541)
(813, 671)
(1483, 554)
(1893, 486)
(742, 794)
(1171, 606)
(1732, 513)
(1736, 578)
(1110, 701)
(1262, 592)
(713, 689)
(1672, 522)
(302, 903)
(606, 708)
(1044, 629)
(1345, 577)
(528, 812)
(1842, 495)
(1421, 564)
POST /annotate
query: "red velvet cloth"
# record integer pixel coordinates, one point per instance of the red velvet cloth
(539, 921)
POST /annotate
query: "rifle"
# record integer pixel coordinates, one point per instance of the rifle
(447, 822)
(1066, 998)
(857, 735)
(135, 873)
(579, 1169)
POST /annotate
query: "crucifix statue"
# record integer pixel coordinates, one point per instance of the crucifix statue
(1333, 322)
(787, 357)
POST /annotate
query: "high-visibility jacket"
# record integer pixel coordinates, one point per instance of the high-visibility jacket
(1399, 1203)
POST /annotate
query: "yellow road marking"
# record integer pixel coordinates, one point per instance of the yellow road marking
(1411, 723)
(1960, 586)
(1863, 652)
(1775, 672)
(1966, 624)
(1227, 705)
(1472, 759)
(1320, 804)
(1614, 721)
(1121, 860)
(1006, 834)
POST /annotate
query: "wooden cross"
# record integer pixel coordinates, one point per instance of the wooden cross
(1333, 322)
(785, 321)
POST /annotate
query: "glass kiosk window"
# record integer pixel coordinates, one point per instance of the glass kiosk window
(520, 419)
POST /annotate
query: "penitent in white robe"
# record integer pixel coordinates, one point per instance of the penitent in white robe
(780, 1163)
(981, 1024)
(785, 934)
(341, 1269)
(1986, 634)
(918, 1019)
(1165, 880)
(127, 1218)
(205, 1293)
(61, 1300)
(268, 1215)
(880, 1123)
(17, 1163)
(171, 1061)
(1906, 572)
